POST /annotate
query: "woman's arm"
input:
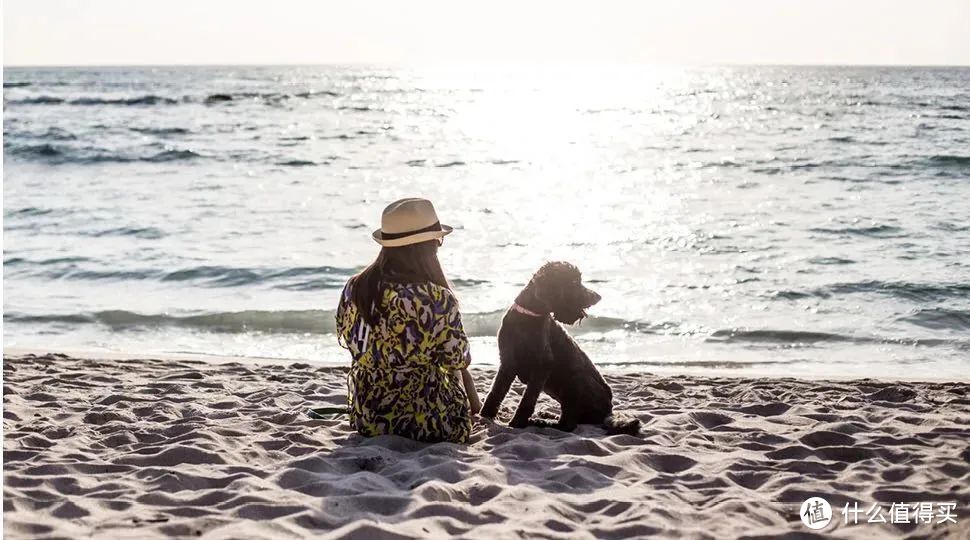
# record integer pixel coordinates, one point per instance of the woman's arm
(452, 347)
(469, 382)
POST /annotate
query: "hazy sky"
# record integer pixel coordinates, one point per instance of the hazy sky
(65, 32)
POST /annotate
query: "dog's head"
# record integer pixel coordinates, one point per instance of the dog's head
(559, 287)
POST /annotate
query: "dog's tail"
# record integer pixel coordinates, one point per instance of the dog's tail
(617, 424)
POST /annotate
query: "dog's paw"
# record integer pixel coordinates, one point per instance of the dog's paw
(519, 422)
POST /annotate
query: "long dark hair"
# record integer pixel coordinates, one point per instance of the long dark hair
(414, 263)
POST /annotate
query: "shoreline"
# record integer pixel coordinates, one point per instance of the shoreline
(151, 448)
(674, 369)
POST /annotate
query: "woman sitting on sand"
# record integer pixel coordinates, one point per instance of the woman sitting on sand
(401, 323)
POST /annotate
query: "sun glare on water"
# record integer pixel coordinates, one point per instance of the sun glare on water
(573, 148)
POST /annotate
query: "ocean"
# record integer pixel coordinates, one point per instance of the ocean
(802, 221)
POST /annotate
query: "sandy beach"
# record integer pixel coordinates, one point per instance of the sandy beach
(111, 448)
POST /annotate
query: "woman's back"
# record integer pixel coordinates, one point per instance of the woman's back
(404, 378)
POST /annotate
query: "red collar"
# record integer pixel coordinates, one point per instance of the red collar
(524, 311)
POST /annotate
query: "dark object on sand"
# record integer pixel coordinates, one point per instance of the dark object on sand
(322, 413)
(537, 350)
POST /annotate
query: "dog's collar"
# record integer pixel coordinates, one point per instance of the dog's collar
(524, 311)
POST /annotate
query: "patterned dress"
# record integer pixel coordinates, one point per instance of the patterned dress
(404, 377)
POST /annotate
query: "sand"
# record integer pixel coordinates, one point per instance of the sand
(116, 448)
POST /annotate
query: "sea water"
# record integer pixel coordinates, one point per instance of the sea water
(811, 221)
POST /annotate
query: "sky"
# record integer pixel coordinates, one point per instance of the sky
(139, 32)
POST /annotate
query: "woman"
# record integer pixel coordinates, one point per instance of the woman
(401, 323)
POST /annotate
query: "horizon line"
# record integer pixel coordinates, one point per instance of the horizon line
(484, 64)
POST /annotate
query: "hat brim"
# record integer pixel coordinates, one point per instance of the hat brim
(415, 238)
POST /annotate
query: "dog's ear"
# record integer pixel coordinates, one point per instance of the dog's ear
(540, 291)
(549, 292)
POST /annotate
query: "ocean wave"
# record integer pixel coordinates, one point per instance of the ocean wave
(148, 233)
(300, 322)
(314, 321)
(161, 131)
(50, 134)
(951, 227)
(308, 278)
(708, 364)
(30, 211)
(790, 338)
(132, 101)
(321, 322)
(299, 163)
(315, 93)
(218, 98)
(153, 99)
(358, 108)
(37, 100)
(875, 231)
(940, 165)
(23, 84)
(913, 291)
(939, 319)
(170, 155)
(149, 99)
(767, 167)
(830, 260)
(446, 164)
(776, 336)
(920, 292)
(14, 261)
(944, 160)
(62, 154)
(305, 278)
(43, 151)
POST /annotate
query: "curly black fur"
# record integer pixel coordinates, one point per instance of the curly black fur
(541, 354)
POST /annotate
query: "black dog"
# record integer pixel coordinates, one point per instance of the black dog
(536, 349)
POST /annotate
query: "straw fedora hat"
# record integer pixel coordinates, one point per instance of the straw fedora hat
(409, 221)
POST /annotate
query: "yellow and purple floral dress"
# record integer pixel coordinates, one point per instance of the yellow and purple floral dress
(404, 377)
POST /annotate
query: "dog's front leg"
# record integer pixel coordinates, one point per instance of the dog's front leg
(500, 387)
(527, 405)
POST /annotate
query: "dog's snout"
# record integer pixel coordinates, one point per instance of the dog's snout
(592, 297)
